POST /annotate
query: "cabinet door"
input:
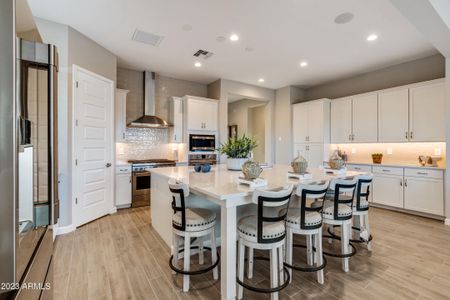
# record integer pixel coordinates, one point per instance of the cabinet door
(341, 120)
(388, 190)
(315, 122)
(123, 189)
(424, 195)
(195, 114)
(365, 118)
(120, 114)
(177, 119)
(210, 115)
(315, 155)
(393, 116)
(427, 113)
(300, 122)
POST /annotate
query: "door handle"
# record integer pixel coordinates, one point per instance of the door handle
(108, 165)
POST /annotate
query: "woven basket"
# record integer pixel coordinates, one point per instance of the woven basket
(377, 159)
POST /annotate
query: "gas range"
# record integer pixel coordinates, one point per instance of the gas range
(140, 165)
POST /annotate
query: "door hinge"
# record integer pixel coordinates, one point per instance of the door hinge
(76, 162)
(76, 84)
(76, 122)
(76, 200)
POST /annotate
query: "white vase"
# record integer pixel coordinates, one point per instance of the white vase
(235, 164)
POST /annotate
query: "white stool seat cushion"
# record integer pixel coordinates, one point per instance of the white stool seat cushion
(363, 204)
(247, 229)
(197, 219)
(312, 218)
(328, 210)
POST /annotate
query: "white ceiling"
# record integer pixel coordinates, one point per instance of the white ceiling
(282, 33)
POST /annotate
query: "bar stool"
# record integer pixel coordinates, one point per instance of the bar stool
(190, 223)
(337, 211)
(361, 211)
(266, 231)
(306, 220)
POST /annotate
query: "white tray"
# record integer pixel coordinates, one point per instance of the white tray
(341, 171)
(298, 175)
(258, 182)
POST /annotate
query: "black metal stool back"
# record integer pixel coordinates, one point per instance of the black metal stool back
(274, 200)
(363, 190)
(179, 191)
(314, 191)
(342, 188)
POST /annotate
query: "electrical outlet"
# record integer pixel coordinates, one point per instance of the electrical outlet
(389, 151)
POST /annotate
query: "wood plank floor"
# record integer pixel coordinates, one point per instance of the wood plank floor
(122, 257)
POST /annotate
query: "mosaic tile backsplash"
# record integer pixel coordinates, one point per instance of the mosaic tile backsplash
(144, 143)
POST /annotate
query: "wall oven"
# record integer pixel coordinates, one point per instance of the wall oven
(141, 187)
(202, 142)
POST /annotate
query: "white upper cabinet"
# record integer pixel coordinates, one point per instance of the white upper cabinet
(427, 113)
(364, 118)
(120, 109)
(311, 122)
(341, 120)
(176, 118)
(202, 114)
(393, 116)
(300, 122)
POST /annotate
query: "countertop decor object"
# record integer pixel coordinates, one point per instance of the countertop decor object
(377, 158)
(237, 151)
(336, 162)
(206, 168)
(299, 165)
(251, 170)
(197, 168)
(252, 183)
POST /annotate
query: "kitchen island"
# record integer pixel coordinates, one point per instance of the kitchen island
(218, 190)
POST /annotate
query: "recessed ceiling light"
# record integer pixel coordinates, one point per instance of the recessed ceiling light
(234, 37)
(198, 64)
(344, 18)
(372, 37)
(303, 64)
(261, 80)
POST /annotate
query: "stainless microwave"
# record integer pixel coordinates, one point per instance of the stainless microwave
(202, 142)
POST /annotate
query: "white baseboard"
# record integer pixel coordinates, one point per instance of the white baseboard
(113, 210)
(65, 229)
(447, 222)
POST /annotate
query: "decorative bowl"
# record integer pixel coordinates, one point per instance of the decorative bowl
(299, 165)
(336, 163)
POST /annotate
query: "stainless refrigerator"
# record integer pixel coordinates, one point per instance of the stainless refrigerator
(28, 163)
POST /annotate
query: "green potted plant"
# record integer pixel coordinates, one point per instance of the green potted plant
(237, 151)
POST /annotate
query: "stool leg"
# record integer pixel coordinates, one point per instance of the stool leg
(366, 224)
(280, 265)
(187, 261)
(175, 250)
(250, 263)
(344, 244)
(201, 257)
(309, 253)
(319, 252)
(241, 255)
(214, 255)
(330, 240)
(357, 223)
(289, 237)
(273, 272)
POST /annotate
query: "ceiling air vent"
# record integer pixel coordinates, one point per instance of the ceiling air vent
(147, 38)
(203, 54)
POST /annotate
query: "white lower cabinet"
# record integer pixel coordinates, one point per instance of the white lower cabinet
(424, 195)
(123, 186)
(388, 190)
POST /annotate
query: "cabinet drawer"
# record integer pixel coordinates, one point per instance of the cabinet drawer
(123, 169)
(359, 168)
(388, 170)
(425, 173)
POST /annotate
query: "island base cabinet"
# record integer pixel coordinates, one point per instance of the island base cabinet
(388, 190)
(424, 195)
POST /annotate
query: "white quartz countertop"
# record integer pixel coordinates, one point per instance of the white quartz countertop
(221, 183)
(399, 164)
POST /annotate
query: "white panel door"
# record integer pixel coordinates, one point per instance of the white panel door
(388, 190)
(195, 114)
(300, 122)
(427, 113)
(315, 155)
(209, 113)
(93, 146)
(341, 120)
(424, 195)
(365, 118)
(393, 116)
(315, 122)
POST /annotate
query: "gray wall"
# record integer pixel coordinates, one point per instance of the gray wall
(7, 145)
(410, 72)
(165, 87)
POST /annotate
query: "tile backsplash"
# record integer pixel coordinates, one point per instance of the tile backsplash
(141, 143)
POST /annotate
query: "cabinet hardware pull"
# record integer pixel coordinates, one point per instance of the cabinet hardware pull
(406, 183)
(384, 170)
(349, 137)
(406, 134)
(401, 183)
(175, 137)
(422, 173)
(411, 135)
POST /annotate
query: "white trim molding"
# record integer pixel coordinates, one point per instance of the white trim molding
(64, 229)
(447, 221)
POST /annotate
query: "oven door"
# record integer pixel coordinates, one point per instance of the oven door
(141, 183)
(199, 142)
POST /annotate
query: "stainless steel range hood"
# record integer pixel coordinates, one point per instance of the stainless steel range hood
(149, 120)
